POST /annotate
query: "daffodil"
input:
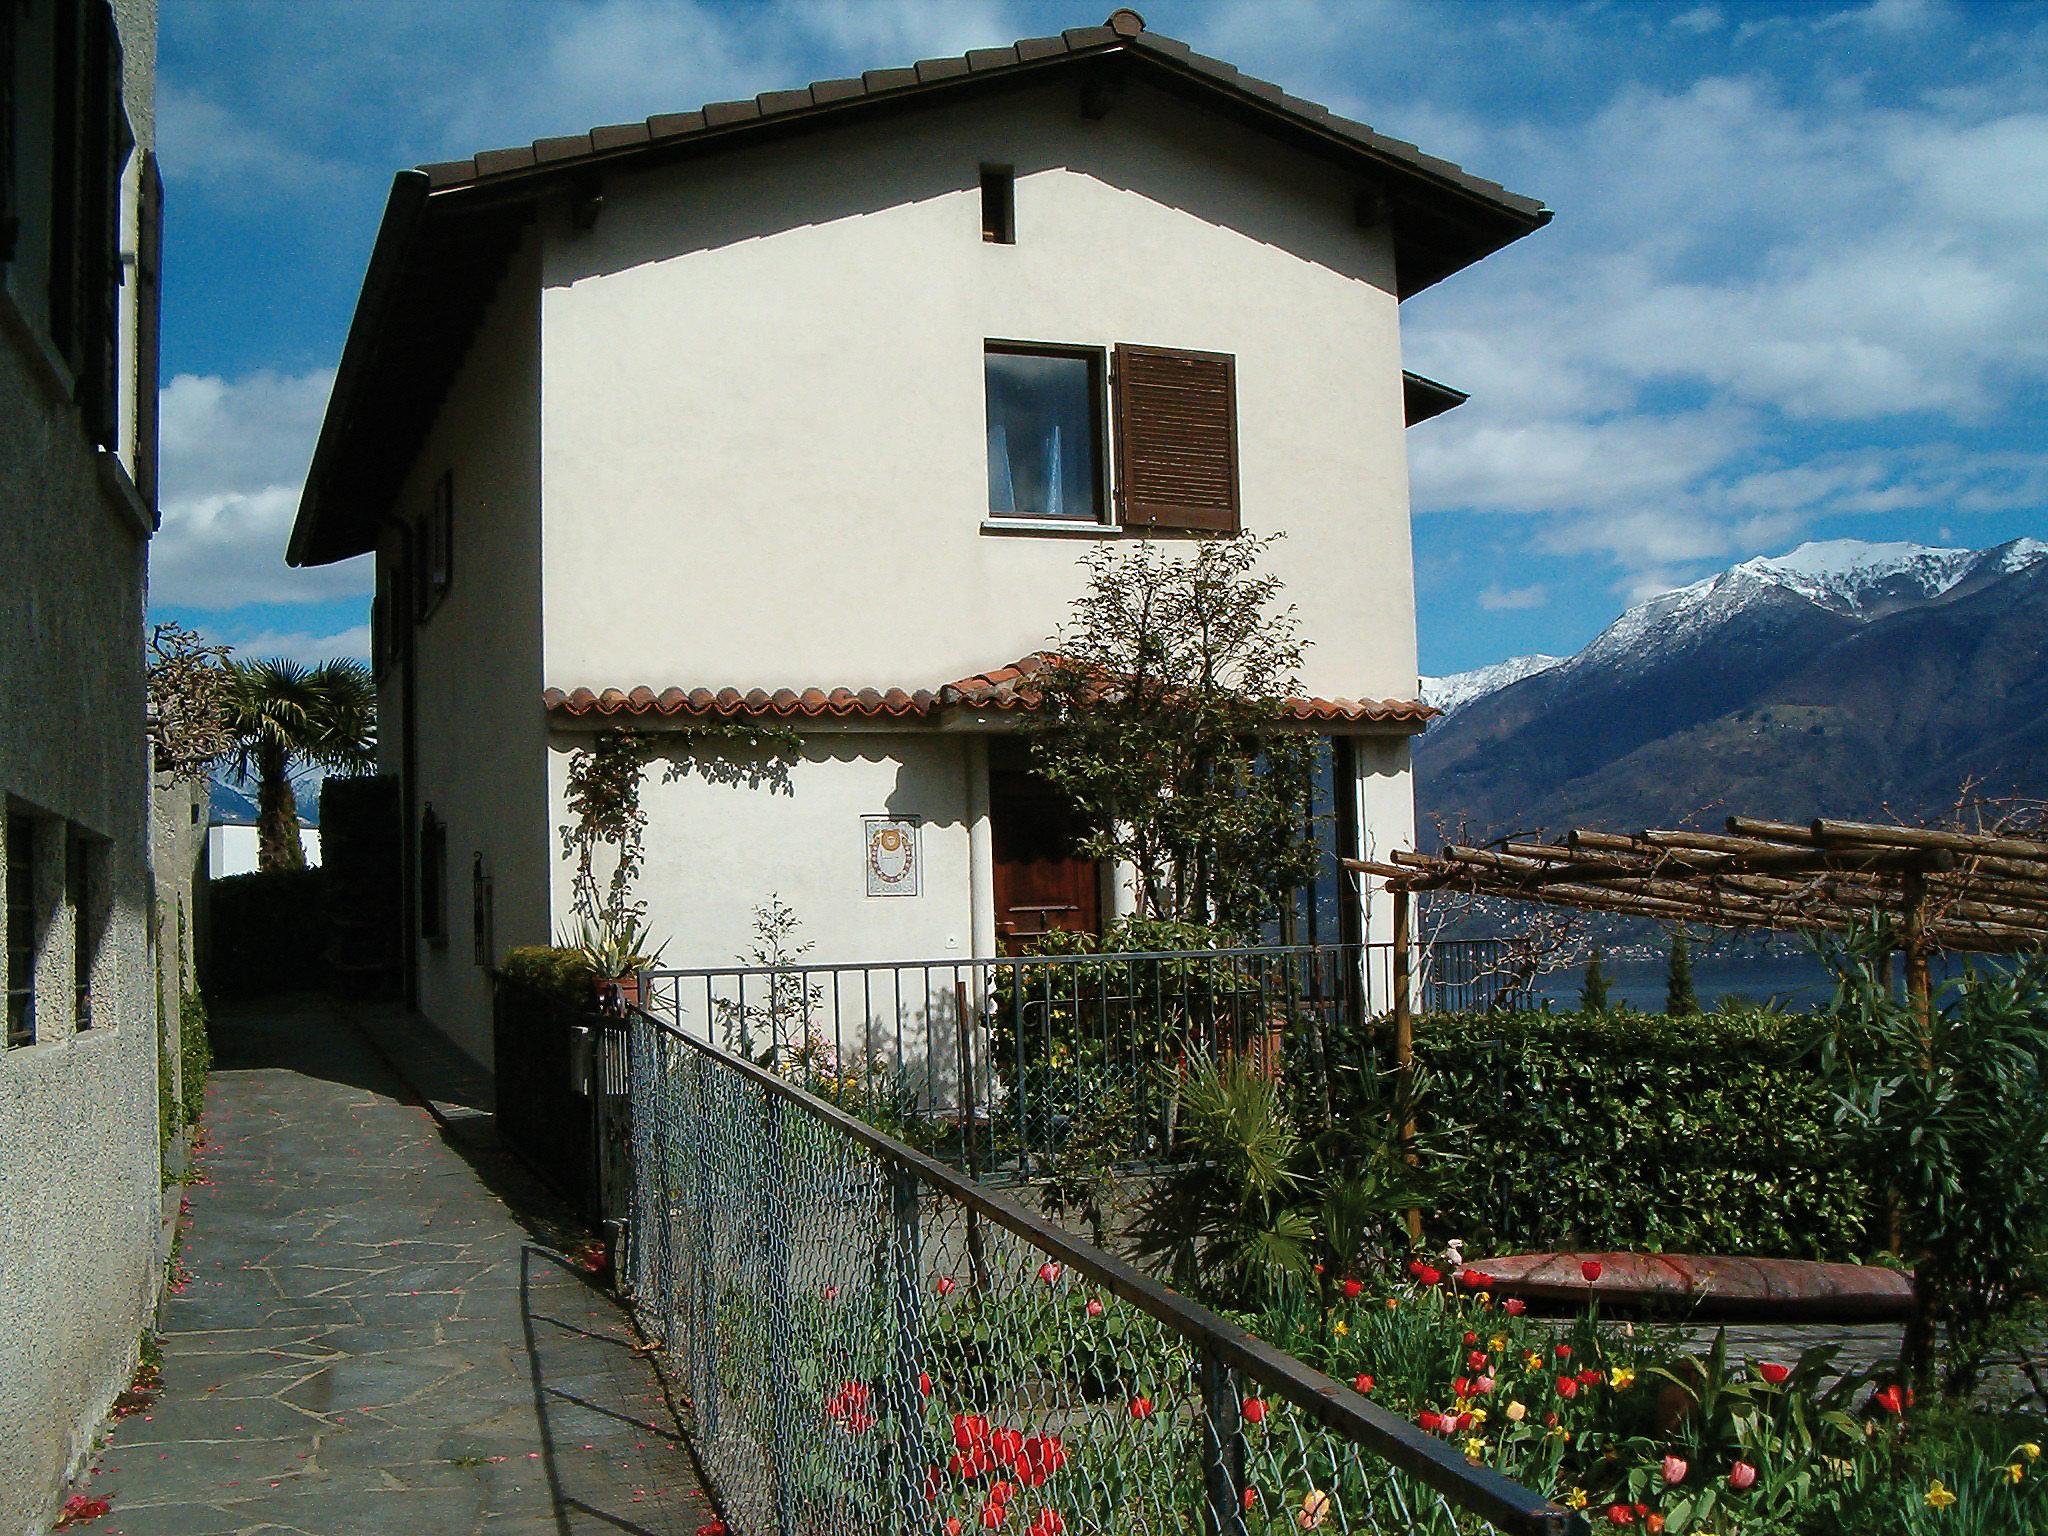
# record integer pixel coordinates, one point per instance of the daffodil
(1340, 1327)
(1475, 1449)
(1576, 1499)
(1939, 1497)
(2031, 1451)
(1532, 1362)
(2014, 1471)
(1478, 1415)
(1622, 1378)
(1497, 1343)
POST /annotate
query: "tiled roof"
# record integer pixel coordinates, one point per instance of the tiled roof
(1004, 688)
(1123, 30)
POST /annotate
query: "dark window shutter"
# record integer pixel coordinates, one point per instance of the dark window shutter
(1176, 439)
(148, 329)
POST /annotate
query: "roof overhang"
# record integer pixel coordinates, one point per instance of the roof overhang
(1423, 398)
(450, 230)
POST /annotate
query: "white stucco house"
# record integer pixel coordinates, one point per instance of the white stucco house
(802, 409)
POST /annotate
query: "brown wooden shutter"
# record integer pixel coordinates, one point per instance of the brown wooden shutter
(1176, 439)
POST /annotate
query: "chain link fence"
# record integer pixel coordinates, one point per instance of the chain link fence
(868, 1342)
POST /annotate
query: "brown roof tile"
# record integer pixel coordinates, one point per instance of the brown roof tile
(1001, 688)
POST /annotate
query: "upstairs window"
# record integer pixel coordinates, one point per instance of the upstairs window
(24, 930)
(1045, 433)
(998, 205)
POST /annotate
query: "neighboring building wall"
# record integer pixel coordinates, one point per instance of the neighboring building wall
(763, 394)
(232, 849)
(80, 1181)
(481, 748)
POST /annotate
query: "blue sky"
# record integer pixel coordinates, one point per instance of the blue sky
(1797, 286)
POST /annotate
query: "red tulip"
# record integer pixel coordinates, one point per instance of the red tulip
(993, 1515)
(1141, 1407)
(1049, 1523)
(1591, 1270)
(1514, 1306)
(1254, 1410)
(1472, 1280)
(999, 1493)
(1353, 1289)
(1891, 1400)
(1589, 1377)
(1431, 1421)
(1772, 1372)
(831, 1293)
(1462, 1423)
(1049, 1272)
(1741, 1475)
(1094, 1307)
(1567, 1386)
(946, 1285)
(1424, 1274)
(1362, 1382)
(924, 1383)
(1477, 1360)
(1620, 1514)
(1471, 1337)
(1674, 1470)
(1564, 1351)
(1251, 1498)
(953, 1525)
(1461, 1385)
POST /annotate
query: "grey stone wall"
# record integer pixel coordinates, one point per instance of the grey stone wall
(80, 1182)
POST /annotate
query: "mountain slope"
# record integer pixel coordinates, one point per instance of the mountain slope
(1840, 678)
(1457, 689)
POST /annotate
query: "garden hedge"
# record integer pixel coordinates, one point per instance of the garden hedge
(1703, 1134)
(267, 932)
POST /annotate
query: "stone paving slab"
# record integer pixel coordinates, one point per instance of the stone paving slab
(378, 1329)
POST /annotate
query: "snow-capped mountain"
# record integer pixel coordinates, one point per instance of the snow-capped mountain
(1839, 678)
(1453, 692)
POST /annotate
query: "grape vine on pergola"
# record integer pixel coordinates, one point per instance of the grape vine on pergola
(1943, 890)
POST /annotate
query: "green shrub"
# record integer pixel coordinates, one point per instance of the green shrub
(561, 973)
(1706, 1133)
(267, 933)
(195, 1056)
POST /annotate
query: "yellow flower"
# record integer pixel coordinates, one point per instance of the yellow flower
(1939, 1497)
(1393, 1302)
(1315, 1509)
(1532, 1362)
(1516, 1413)
(1497, 1343)
(1478, 1415)
(2014, 1472)
(2031, 1451)
(1576, 1499)
(1622, 1377)
(1340, 1327)
(1558, 1432)
(1475, 1449)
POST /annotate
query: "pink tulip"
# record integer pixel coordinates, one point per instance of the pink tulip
(1674, 1470)
(1741, 1475)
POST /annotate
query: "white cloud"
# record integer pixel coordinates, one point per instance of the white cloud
(234, 456)
(303, 645)
(1495, 598)
(204, 139)
(1700, 20)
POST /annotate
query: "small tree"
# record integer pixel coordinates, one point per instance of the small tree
(1593, 995)
(1165, 723)
(285, 718)
(189, 685)
(1679, 997)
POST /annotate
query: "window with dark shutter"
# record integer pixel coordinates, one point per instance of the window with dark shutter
(91, 143)
(149, 262)
(1176, 439)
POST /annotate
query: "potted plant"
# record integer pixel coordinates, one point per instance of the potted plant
(615, 954)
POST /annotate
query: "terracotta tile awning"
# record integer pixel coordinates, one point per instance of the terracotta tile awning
(1004, 689)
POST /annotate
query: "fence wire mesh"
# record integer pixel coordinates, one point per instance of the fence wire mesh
(865, 1342)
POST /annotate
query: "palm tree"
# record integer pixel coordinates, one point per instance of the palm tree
(285, 718)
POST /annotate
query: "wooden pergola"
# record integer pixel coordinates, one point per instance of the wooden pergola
(1942, 890)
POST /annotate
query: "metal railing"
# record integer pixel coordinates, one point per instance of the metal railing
(993, 1063)
(867, 1341)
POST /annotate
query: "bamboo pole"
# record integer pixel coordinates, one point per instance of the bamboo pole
(1404, 1037)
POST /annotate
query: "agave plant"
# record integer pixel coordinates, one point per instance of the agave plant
(612, 951)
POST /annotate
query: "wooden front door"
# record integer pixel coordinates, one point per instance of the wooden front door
(1041, 884)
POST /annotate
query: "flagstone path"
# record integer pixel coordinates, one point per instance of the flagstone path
(379, 1329)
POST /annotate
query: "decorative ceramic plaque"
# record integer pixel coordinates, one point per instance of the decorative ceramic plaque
(892, 855)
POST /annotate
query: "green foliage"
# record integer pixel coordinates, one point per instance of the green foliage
(1164, 722)
(195, 1056)
(267, 933)
(1954, 1109)
(1679, 998)
(1711, 1133)
(1593, 994)
(560, 972)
